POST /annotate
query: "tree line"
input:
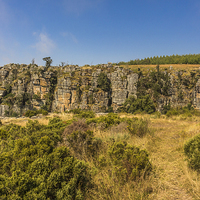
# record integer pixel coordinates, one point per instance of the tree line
(173, 59)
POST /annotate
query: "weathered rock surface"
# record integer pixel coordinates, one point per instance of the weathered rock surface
(24, 87)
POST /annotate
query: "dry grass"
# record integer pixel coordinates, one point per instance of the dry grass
(42, 119)
(175, 66)
(171, 177)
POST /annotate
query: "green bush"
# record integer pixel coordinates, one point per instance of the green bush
(42, 111)
(130, 163)
(187, 111)
(108, 120)
(33, 166)
(172, 112)
(135, 126)
(86, 114)
(81, 140)
(141, 104)
(76, 111)
(37, 96)
(110, 109)
(30, 113)
(83, 113)
(192, 151)
(138, 127)
(103, 82)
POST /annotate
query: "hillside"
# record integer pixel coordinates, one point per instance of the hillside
(98, 88)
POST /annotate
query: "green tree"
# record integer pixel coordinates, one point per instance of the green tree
(48, 61)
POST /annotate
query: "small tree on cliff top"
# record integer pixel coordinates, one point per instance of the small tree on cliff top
(48, 61)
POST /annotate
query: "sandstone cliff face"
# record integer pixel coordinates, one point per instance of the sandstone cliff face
(24, 87)
(80, 90)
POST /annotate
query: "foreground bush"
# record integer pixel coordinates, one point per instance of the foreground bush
(135, 126)
(32, 166)
(130, 163)
(108, 120)
(192, 151)
(81, 140)
(139, 127)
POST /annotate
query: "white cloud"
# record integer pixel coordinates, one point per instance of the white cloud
(70, 36)
(79, 6)
(45, 44)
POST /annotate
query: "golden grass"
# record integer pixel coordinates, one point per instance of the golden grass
(175, 66)
(171, 177)
(41, 119)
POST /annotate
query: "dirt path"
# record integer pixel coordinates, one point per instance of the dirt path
(166, 147)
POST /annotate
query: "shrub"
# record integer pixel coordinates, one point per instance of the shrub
(76, 111)
(30, 113)
(108, 120)
(103, 82)
(33, 166)
(142, 104)
(138, 127)
(192, 151)
(86, 114)
(79, 125)
(82, 113)
(166, 108)
(80, 139)
(187, 111)
(42, 111)
(130, 163)
(11, 113)
(110, 109)
(83, 143)
(135, 126)
(37, 96)
(14, 114)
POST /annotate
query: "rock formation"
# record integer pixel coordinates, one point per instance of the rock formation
(59, 89)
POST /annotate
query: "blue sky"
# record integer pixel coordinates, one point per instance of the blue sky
(97, 31)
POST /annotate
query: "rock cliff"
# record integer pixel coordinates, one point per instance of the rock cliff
(24, 87)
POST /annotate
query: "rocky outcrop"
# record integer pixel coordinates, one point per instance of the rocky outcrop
(24, 87)
(81, 90)
(3, 108)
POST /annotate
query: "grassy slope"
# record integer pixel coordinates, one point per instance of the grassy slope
(172, 179)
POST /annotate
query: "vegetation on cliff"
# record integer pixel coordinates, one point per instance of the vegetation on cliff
(101, 88)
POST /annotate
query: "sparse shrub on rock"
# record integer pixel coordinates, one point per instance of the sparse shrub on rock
(141, 104)
(103, 82)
